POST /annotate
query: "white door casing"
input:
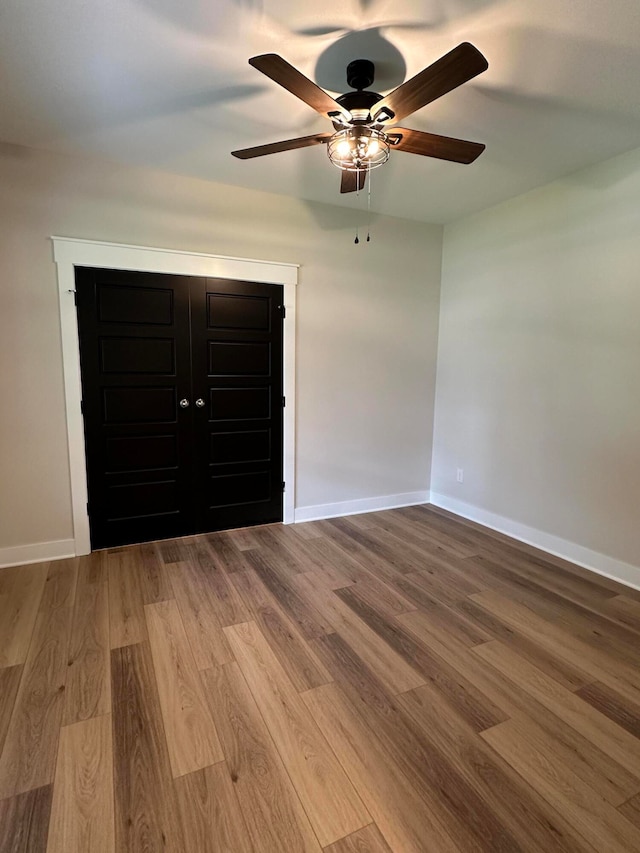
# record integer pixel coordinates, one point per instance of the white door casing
(70, 253)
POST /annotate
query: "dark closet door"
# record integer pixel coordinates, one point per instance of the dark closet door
(237, 382)
(182, 402)
(136, 368)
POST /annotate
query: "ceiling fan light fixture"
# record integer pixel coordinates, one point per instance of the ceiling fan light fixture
(358, 148)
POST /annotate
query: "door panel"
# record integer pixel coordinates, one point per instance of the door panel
(248, 445)
(138, 405)
(131, 305)
(236, 358)
(136, 366)
(237, 312)
(129, 501)
(238, 404)
(137, 453)
(233, 490)
(137, 355)
(147, 341)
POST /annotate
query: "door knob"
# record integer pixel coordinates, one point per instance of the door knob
(200, 403)
(184, 403)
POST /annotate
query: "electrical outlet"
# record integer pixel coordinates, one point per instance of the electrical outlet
(460, 475)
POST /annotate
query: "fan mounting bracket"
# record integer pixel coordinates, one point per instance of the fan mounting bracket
(360, 73)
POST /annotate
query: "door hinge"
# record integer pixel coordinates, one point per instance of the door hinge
(283, 484)
(284, 402)
(87, 508)
(82, 406)
(75, 297)
(283, 311)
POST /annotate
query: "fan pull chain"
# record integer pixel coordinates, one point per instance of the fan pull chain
(369, 210)
(367, 172)
(357, 240)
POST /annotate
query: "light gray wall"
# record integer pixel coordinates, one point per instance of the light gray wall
(367, 324)
(538, 387)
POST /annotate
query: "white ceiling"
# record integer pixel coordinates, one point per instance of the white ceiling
(166, 84)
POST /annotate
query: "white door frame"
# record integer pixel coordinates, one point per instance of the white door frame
(70, 253)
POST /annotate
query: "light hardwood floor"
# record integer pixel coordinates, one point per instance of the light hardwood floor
(398, 681)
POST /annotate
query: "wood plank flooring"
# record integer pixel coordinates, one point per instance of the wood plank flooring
(395, 682)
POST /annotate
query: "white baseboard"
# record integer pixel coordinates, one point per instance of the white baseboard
(39, 552)
(601, 564)
(320, 511)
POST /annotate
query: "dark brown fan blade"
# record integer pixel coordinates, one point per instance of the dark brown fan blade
(281, 72)
(352, 181)
(432, 145)
(286, 145)
(450, 71)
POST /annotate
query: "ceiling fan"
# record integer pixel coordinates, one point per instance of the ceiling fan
(364, 121)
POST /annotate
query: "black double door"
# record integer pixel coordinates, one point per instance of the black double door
(182, 403)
